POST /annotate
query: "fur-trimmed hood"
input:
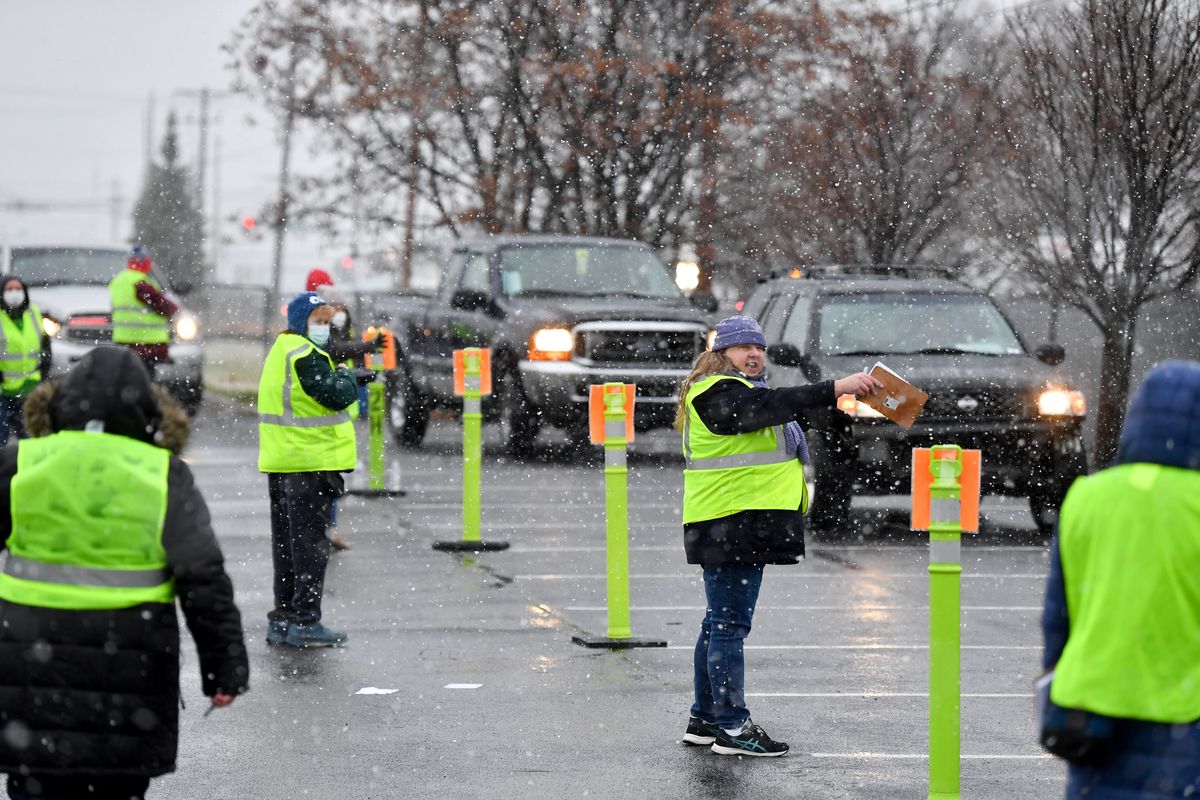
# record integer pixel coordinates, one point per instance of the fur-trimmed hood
(109, 385)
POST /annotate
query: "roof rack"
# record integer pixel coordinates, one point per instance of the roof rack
(865, 270)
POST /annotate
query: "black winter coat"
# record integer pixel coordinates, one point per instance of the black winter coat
(97, 692)
(728, 408)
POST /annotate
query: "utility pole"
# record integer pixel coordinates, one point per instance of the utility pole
(275, 289)
(214, 237)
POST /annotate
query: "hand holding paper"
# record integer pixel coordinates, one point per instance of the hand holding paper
(898, 400)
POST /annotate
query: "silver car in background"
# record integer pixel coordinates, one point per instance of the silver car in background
(69, 284)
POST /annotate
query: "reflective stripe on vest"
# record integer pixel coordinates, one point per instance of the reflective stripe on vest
(725, 475)
(1129, 542)
(296, 433)
(20, 349)
(134, 322)
(87, 523)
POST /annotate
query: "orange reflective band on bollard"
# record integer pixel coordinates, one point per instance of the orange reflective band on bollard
(484, 367)
(922, 482)
(597, 407)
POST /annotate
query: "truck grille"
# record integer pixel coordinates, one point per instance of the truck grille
(639, 343)
(972, 405)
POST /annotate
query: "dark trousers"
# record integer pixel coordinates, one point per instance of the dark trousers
(12, 418)
(75, 787)
(301, 506)
(719, 667)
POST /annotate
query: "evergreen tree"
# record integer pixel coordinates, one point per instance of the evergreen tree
(167, 222)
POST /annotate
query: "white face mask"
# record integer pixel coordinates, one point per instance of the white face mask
(14, 298)
(318, 334)
(339, 319)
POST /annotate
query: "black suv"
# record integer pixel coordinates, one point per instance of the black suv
(986, 390)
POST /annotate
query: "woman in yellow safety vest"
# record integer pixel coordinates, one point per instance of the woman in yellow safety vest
(24, 348)
(744, 497)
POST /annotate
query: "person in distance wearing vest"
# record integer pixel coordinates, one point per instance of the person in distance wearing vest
(24, 350)
(306, 442)
(141, 312)
(1122, 612)
(744, 498)
(105, 528)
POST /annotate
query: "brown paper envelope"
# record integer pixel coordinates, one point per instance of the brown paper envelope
(898, 400)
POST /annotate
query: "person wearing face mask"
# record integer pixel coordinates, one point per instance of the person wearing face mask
(743, 503)
(24, 349)
(306, 442)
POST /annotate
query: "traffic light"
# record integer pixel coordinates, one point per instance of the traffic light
(248, 224)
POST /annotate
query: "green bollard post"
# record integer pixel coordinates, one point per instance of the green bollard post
(945, 580)
(472, 417)
(375, 419)
(616, 514)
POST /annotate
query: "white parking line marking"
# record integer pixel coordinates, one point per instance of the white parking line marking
(801, 576)
(925, 756)
(809, 608)
(875, 695)
(692, 647)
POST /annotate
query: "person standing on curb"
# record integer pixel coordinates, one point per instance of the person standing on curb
(24, 348)
(1122, 611)
(306, 442)
(141, 313)
(105, 528)
(743, 504)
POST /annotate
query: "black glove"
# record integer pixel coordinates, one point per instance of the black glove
(379, 342)
(363, 376)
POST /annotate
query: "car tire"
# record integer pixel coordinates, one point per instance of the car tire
(518, 419)
(407, 410)
(829, 506)
(1046, 496)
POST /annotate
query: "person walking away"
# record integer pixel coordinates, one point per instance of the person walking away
(743, 505)
(141, 312)
(306, 440)
(1122, 610)
(24, 348)
(105, 528)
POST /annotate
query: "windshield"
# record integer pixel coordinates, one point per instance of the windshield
(584, 271)
(43, 266)
(910, 323)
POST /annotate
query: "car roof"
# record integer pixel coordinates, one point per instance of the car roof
(865, 284)
(538, 239)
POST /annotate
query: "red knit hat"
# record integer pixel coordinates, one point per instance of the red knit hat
(138, 259)
(317, 277)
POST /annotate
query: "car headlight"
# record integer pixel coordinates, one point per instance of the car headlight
(855, 408)
(551, 344)
(51, 326)
(187, 326)
(1061, 403)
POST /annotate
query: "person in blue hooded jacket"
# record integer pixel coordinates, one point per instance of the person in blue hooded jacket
(1122, 610)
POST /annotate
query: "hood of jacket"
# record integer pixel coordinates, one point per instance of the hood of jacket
(109, 385)
(1163, 423)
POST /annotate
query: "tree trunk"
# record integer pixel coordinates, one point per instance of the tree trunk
(1115, 368)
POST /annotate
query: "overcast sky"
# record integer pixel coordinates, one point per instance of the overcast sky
(76, 82)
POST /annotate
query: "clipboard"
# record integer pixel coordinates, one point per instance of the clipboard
(898, 400)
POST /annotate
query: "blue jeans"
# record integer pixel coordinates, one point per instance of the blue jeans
(11, 418)
(720, 668)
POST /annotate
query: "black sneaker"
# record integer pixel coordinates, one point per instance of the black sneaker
(752, 741)
(700, 732)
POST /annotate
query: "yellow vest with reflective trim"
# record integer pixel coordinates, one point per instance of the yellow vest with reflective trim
(20, 349)
(295, 432)
(134, 322)
(726, 474)
(87, 523)
(1129, 539)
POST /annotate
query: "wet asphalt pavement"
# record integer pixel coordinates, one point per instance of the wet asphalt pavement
(489, 698)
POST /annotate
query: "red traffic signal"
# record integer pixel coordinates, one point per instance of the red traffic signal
(248, 224)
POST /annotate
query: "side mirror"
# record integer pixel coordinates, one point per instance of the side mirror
(785, 355)
(1052, 354)
(704, 301)
(470, 300)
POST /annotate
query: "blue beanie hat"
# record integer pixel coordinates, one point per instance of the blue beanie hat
(738, 330)
(1163, 423)
(298, 310)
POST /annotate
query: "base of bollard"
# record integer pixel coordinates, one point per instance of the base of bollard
(376, 492)
(617, 644)
(463, 546)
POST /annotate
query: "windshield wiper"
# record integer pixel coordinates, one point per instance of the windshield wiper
(949, 351)
(860, 353)
(547, 293)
